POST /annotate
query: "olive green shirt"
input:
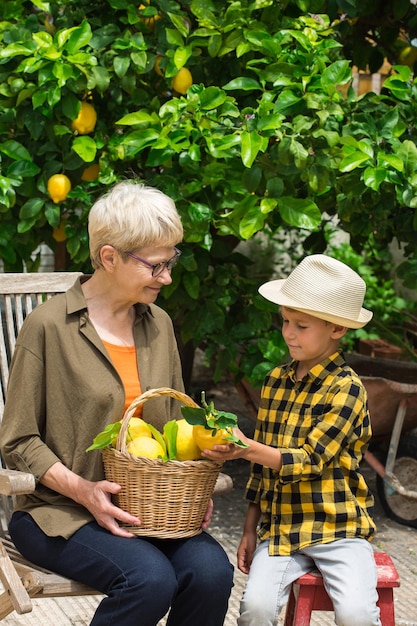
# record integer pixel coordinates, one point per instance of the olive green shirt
(63, 390)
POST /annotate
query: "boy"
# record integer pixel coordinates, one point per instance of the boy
(306, 489)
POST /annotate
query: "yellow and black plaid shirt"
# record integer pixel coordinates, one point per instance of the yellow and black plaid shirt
(321, 425)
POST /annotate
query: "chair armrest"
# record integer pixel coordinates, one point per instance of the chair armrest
(13, 482)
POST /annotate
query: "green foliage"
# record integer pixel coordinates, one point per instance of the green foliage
(269, 137)
(373, 30)
(389, 310)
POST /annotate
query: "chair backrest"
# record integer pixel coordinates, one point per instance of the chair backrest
(19, 295)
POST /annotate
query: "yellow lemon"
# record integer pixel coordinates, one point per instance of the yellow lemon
(85, 122)
(182, 81)
(59, 233)
(205, 440)
(137, 428)
(91, 172)
(149, 21)
(187, 449)
(58, 187)
(157, 67)
(146, 447)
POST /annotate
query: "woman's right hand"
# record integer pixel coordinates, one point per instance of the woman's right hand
(94, 496)
(97, 499)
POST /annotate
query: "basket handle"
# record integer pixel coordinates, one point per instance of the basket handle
(147, 395)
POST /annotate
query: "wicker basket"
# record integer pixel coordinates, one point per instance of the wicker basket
(170, 498)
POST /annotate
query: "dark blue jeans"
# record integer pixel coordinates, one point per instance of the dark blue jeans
(142, 578)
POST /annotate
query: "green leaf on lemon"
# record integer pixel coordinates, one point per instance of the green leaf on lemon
(158, 436)
(170, 436)
(105, 438)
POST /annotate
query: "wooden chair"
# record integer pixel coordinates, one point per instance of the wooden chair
(19, 294)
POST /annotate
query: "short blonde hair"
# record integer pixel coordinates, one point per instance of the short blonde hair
(131, 216)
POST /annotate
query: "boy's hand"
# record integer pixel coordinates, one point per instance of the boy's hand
(245, 552)
(228, 451)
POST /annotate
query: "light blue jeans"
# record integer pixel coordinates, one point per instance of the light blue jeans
(349, 576)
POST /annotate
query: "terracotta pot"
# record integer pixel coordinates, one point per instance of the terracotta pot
(380, 348)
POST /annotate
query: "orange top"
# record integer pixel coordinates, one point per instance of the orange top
(124, 360)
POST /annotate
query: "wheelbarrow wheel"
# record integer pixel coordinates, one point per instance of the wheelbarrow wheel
(400, 508)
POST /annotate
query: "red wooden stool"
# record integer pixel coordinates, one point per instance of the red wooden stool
(308, 594)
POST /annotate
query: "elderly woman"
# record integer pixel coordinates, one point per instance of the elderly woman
(79, 361)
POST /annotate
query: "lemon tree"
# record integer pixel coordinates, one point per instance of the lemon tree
(274, 146)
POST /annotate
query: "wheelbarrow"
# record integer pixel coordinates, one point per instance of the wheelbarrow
(392, 395)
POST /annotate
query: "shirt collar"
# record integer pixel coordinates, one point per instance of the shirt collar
(77, 303)
(320, 371)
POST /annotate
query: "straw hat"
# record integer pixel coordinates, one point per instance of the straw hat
(324, 288)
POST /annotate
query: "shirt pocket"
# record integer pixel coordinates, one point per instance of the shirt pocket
(297, 427)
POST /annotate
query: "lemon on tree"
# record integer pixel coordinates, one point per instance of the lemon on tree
(91, 172)
(187, 448)
(149, 21)
(146, 447)
(182, 81)
(408, 56)
(85, 122)
(58, 233)
(58, 187)
(157, 65)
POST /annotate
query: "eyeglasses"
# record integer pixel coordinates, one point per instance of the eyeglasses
(158, 268)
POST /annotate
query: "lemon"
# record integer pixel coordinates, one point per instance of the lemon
(91, 172)
(59, 233)
(146, 447)
(137, 428)
(58, 187)
(204, 439)
(408, 56)
(157, 65)
(86, 120)
(149, 21)
(187, 449)
(182, 81)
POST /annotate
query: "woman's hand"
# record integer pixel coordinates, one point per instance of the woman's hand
(207, 516)
(97, 499)
(94, 496)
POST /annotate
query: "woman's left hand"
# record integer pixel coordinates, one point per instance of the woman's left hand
(207, 517)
